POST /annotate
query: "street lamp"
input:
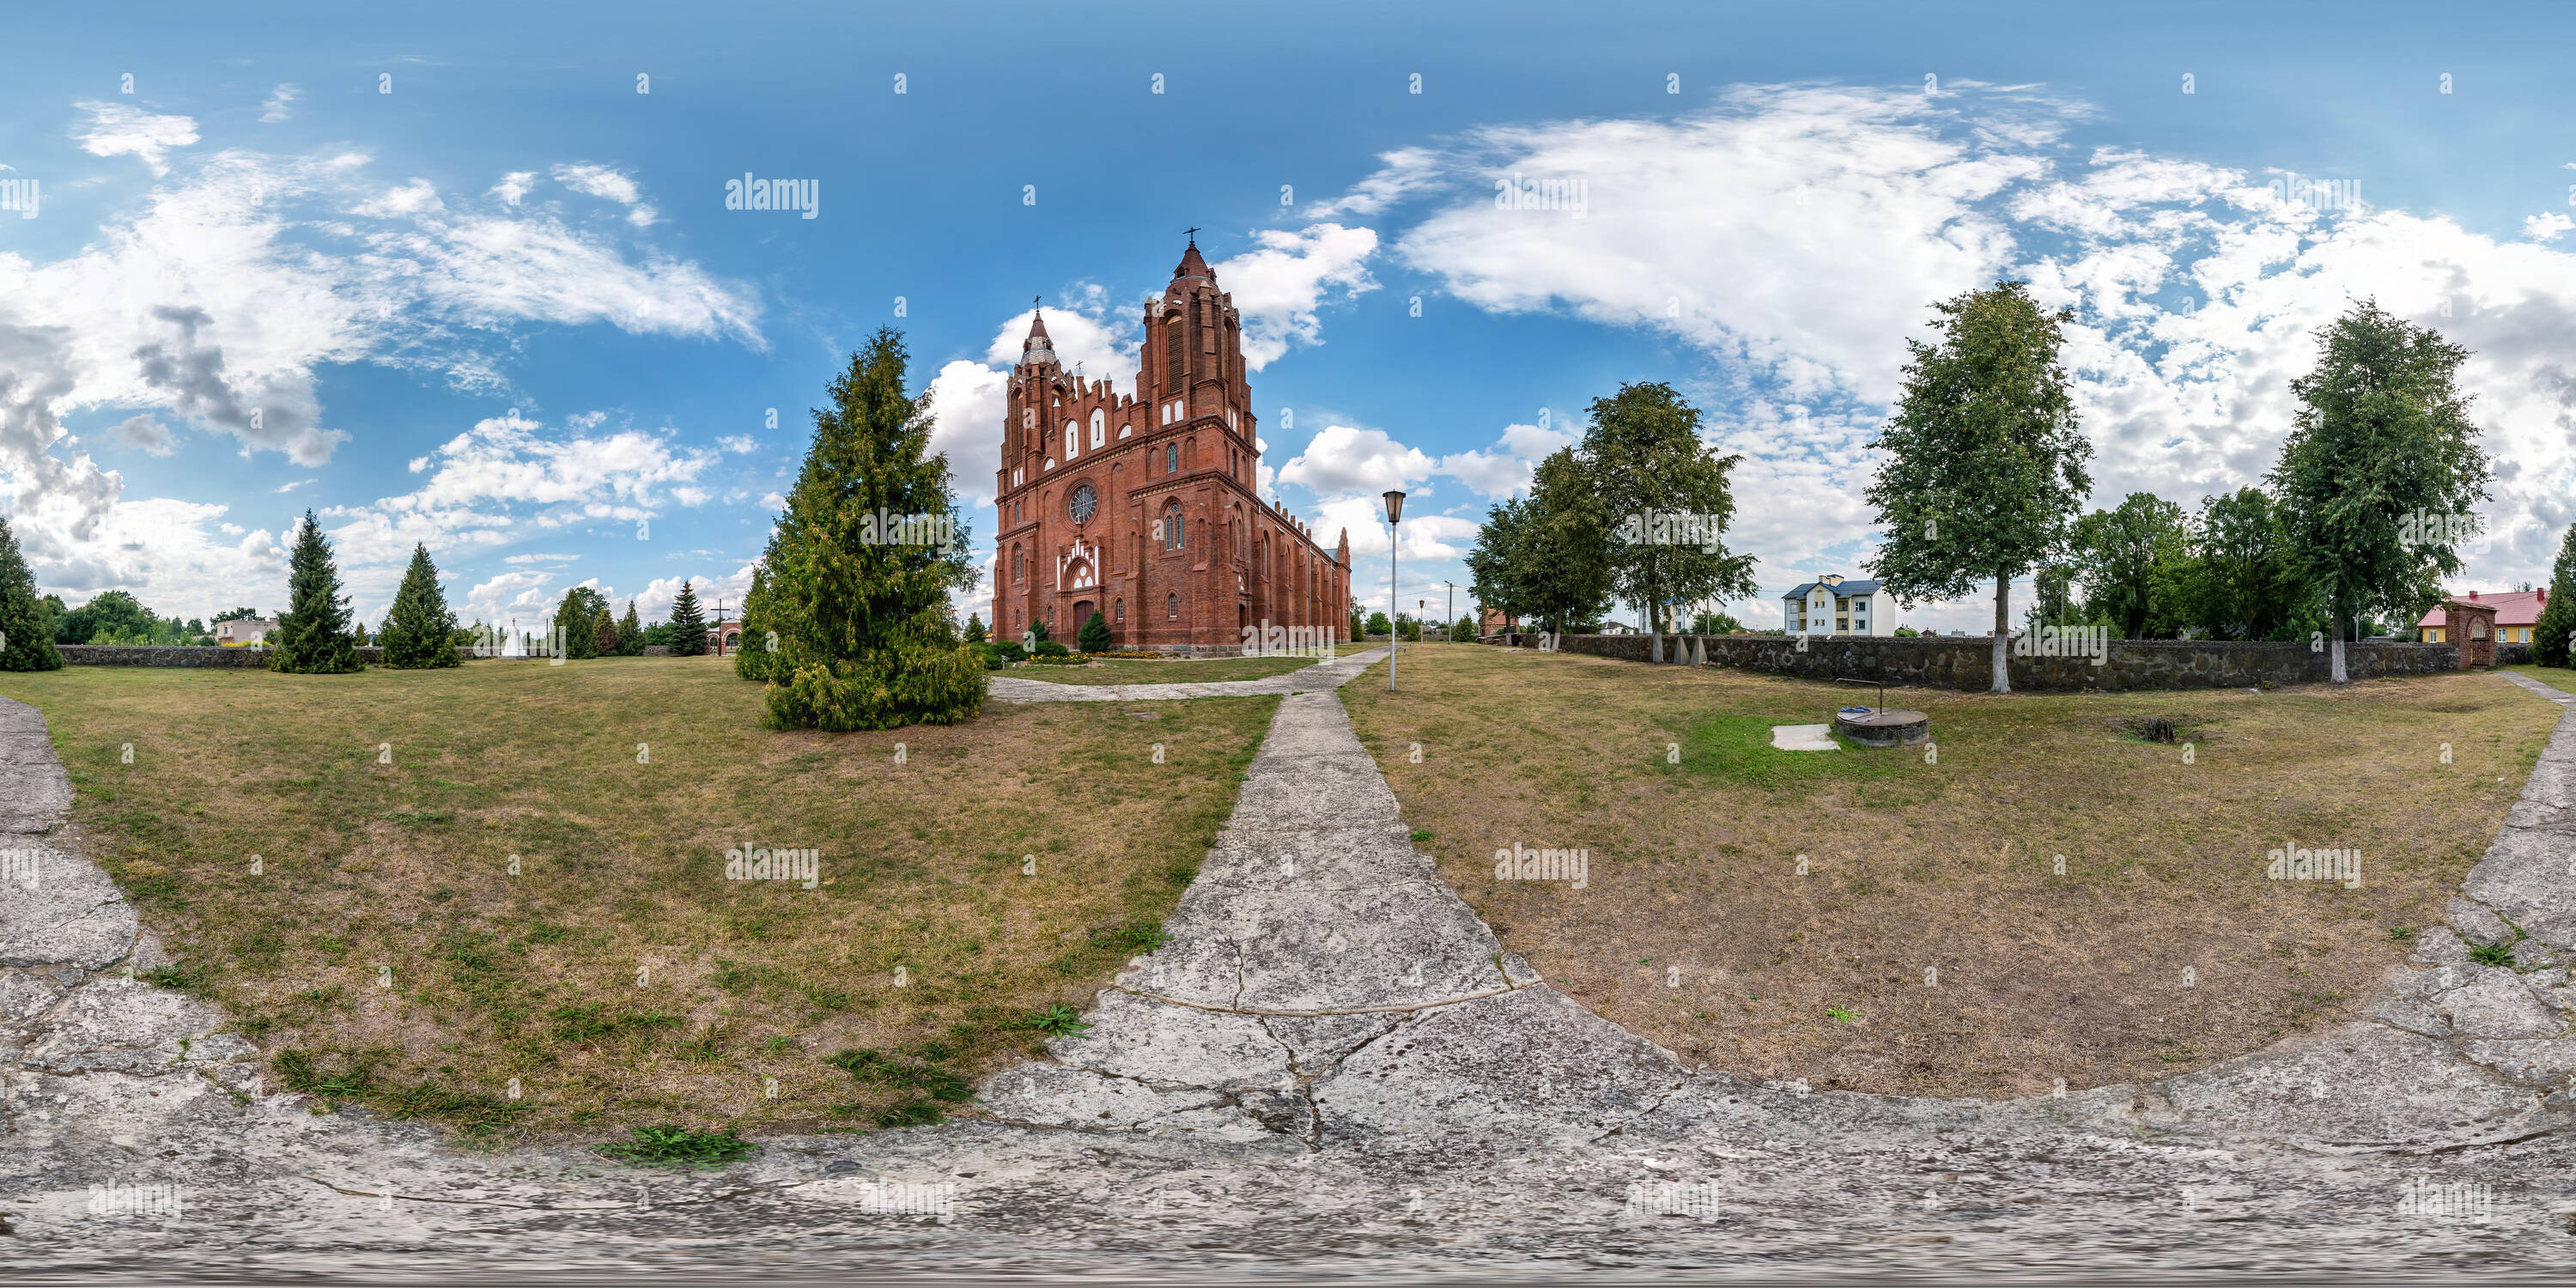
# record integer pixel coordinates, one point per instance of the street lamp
(1449, 628)
(1394, 637)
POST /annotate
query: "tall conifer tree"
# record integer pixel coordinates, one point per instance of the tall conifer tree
(313, 635)
(420, 631)
(688, 623)
(864, 636)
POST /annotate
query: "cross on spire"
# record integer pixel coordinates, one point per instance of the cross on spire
(1192, 234)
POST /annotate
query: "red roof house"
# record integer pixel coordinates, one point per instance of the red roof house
(2516, 612)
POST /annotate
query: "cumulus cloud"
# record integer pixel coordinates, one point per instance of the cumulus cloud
(1282, 284)
(117, 129)
(1342, 460)
(738, 443)
(607, 184)
(1509, 469)
(144, 434)
(515, 185)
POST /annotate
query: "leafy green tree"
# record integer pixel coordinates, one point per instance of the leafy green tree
(110, 617)
(975, 633)
(1667, 499)
(865, 641)
(1711, 622)
(577, 621)
(1408, 627)
(1094, 635)
(1359, 628)
(420, 631)
(2242, 580)
(1464, 628)
(1985, 465)
(2129, 559)
(2382, 439)
(1378, 625)
(25, 643)
(2555, 632)
(313, 635)
(235, 615)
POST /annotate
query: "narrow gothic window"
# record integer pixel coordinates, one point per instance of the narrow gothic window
(1172, 526)
(1119, 609)
(1171, 458)
(1172, 353)
(1070, 440)
(1172, 606)
(1019, 565)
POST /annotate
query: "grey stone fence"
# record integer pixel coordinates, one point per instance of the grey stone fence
(1967, 662)
(250, 659)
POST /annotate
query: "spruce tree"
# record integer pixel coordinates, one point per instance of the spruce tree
(313, 635)
(630, 633)
(751, 657)
(26, 643)
(864, 637)
(688, 624)
(419, 630)
(1094, 635)
(974, 629)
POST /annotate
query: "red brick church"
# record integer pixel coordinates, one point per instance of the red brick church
(1145, 507)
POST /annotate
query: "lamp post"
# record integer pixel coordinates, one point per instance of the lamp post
(1394, 534)
(1449, 628)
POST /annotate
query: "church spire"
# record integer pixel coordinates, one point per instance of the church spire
(1191, 264)
(1037, 350)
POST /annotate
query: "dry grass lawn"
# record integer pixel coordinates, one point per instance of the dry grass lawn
(1931, 947)
(385, 953)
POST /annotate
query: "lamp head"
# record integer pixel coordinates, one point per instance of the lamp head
(1395, 507)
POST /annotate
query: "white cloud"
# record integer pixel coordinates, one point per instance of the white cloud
(1401, 174)
(2546, 226)
(1495, 475)
(1280, 286)
(654, 601)
(512, 595)
(1341, 460)
(738, 443)
(515, 185)
(116, 129)
(280, 105)
(143, 434)
(602, 182)
(413, 198)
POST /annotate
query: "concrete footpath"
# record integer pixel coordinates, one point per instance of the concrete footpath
(1333, 1068)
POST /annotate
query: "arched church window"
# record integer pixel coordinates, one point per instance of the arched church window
(1172, 607)
(1071, 440)
(1172, 521)
(1099, 428)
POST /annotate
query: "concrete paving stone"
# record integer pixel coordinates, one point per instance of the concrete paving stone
(1314, 791)
(1085, 1100)
(72, 914)
(125, 1025)
(1361, 857)
(2414, 1017)
(2475, 923)
(2496, 1003)
(23, 995)
(39, 793)
(2437, 946)
(2524, 879)
(1323, 950)
(1317, 1043)
(2354, 1087)
(1140, 1037)
(1529, 1064)
(2537, 1062)
(2533, 955)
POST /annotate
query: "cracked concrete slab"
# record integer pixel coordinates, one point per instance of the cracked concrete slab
(71, 913)
(1321, 677)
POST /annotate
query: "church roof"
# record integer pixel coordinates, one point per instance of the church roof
(1038, 348)
(1191, 265)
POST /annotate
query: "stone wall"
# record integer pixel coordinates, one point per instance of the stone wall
(1967, 662)
(251, 659)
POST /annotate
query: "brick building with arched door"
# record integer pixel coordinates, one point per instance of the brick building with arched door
(1146, 507)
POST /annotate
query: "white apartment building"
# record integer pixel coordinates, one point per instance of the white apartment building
(1832, 605)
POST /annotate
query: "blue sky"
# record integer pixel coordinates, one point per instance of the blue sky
(502, 309)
